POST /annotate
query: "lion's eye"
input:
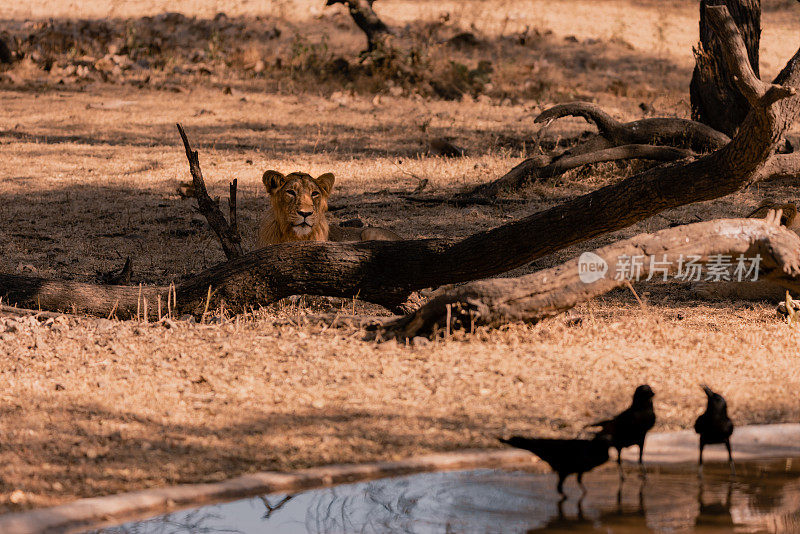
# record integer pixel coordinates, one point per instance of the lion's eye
(314, 194)
(291, 193)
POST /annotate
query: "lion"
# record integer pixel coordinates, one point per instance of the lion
(759, 289)
(298, 212)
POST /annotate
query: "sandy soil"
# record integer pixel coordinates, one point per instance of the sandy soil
(88, 176)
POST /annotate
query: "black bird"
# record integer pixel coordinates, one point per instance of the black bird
(714, 425)
(631, 426)
(566, 456)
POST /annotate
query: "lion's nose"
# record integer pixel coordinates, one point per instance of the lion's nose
(304, 214)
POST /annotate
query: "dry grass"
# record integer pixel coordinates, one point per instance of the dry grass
(89, 175)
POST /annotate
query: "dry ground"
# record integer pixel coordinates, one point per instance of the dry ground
(88, 176)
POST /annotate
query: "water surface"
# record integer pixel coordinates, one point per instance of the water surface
(763, 497)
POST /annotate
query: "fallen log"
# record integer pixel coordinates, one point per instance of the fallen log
(553, 291)
(680, 133)
(655, 139)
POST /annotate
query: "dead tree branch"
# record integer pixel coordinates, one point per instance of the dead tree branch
(552, 291)
(615, 141)
(680, 133)
(228, 234)
(539, 168)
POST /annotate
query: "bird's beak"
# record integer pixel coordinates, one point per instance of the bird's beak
(707, 390)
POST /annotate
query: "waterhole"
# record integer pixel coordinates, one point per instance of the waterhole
(764, 496)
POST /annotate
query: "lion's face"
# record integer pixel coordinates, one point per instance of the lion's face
(299, 203)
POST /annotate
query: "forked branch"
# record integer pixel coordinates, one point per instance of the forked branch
(228, 234)
(758, 93)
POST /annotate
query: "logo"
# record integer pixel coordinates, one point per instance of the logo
(591, 267)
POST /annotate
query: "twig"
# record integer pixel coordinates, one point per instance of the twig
(234, 228)
(205, 310)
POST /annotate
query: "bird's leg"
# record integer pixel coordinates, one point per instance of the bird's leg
(700, 461)
(730, 456)
(580, 483)
(560, 486)
(641, 462)
(619, 464)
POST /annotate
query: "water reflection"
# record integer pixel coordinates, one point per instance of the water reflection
(764, 497)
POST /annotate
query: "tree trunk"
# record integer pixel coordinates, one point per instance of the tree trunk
(5, 53)
(367, 20)
(715, 99)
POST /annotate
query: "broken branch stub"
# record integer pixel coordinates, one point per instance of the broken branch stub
(228, 234)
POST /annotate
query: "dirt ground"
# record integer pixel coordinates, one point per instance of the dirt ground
(89, 172)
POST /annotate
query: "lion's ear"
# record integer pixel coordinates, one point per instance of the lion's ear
(325, 182)
(273, 180)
